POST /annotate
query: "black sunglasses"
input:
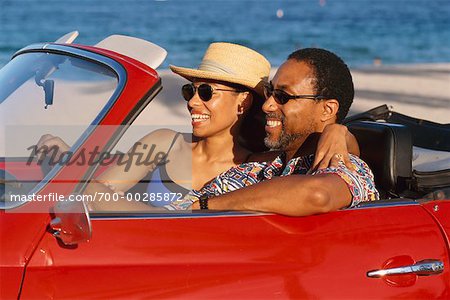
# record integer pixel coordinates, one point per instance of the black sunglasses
(281, 97)
(204, 90)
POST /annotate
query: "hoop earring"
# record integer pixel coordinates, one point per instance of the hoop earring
(240, 110)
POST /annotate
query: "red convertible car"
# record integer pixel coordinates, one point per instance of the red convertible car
(398, 247)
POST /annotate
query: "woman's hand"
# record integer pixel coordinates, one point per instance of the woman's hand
(334, 145)
(51, 145)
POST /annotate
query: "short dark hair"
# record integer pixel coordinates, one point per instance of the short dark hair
(334, 80)
(252, 132)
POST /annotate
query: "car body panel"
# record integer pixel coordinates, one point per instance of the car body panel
(11, 280)
(210, 255)
(257, 256)
(20, 235)
(440, 210)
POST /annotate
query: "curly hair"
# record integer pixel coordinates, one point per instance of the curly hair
(334, 80)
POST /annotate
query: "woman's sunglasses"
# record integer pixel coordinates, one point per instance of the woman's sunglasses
(281, 97)
(204, 90)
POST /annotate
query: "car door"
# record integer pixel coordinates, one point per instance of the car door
(224, 255)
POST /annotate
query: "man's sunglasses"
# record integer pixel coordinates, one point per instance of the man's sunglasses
(204, 90)
(281, 97)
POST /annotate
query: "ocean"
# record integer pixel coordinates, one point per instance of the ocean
(396, 31)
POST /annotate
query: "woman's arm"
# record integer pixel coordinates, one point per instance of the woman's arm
(143, 157)
(335, 144)
(126, 170)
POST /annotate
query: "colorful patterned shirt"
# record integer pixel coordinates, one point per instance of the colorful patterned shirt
(359, 182)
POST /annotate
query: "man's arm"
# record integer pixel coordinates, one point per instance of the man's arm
(295, 195)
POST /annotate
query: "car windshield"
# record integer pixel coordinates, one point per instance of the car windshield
(42, 93)
(45, 89)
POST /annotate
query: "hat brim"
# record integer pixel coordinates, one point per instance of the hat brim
(192, 74)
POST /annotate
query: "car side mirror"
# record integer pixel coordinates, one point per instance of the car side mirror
(71, 222)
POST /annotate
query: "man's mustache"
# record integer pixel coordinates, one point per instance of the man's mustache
(275, 116)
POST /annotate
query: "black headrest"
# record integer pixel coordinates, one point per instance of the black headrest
(387, 149)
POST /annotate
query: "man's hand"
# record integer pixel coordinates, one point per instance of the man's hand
(334, 145)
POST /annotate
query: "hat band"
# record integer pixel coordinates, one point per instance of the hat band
(212, 66)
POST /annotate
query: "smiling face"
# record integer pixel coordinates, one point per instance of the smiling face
(289, 124)
(219, 115)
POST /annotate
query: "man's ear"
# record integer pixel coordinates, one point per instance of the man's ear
(330, 109)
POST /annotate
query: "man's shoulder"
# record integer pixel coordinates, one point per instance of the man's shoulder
(358, 162)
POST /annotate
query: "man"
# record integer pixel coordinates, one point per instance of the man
(312, 89)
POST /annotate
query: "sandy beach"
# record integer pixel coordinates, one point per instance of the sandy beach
(422, 91)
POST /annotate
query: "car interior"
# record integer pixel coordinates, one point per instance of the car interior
(387, 149)
(387, 140)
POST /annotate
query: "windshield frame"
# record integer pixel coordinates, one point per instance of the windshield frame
(93, 57)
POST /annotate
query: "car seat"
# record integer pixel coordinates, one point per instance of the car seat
(387, 149)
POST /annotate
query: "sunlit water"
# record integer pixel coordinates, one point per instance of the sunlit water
(397, 31)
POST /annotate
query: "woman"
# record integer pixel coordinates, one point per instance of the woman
(228, 81)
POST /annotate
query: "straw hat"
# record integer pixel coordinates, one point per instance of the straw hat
(230, 63)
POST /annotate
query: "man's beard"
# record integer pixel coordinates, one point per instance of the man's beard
(286, 139)
(283, 141)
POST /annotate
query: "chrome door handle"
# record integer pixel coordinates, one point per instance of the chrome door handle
(421, 268)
